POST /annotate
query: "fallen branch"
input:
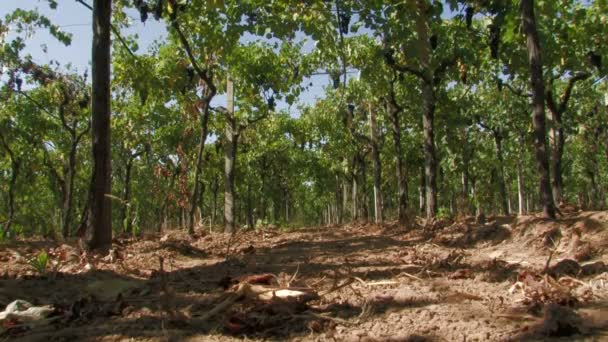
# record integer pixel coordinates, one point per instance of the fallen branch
(376, 283)
(227, 303)
(411, 276)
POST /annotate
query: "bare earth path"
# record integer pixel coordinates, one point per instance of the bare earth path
(445, 282)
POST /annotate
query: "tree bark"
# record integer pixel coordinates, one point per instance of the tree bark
(67, 209)
(15, 166)
(422, 192)
(538, 106)
(250, 218)
(339, 201)
(502, 187)
(520, 188)
(126, 213)
(557, 111)
(378, 205)
(364, 205)
(194, 200)
(214, 188)
(99, 235)
(394, 113)
(231, 138)
(355, 195)
(428, 119)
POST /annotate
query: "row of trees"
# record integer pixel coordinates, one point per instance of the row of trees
(433, 108)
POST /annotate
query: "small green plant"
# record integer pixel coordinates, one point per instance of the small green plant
(40, 262)
(444, 213)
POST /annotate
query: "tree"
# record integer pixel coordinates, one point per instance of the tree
(99, 220)
(538, 107)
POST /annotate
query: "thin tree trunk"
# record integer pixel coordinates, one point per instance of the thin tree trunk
(230, 146)
(68, 197)
(430, 165)
(538, 105)
(428, 119)
(287, 206)
(344, 199)
(99, 227)
(339, 202)
(502, 187)
(556, 111)
(355, 196)
(378, 205)
(422, 192)
(126, 213)
(194, 200)
(520, 188)
(15, 166)
(394, 112)
(250, 220)
(363, 193)
(214, 188)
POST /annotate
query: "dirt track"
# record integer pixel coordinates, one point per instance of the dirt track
(447, 282)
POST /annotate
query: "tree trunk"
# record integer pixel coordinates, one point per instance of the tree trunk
(344, 199)
(339, 201)
(428, 119)
(214, 188)
(286, 200)
(557, 133)
(99, 235)
(126, 213)
(394, 112)
(378, 205)
(67, 209)
(230, 145)
(422, 192)
(538, 105)
(355, 195)
(502, 187)
(364, 215)
(194, 200)
(15, 165)
(250, 220)
(520, 188)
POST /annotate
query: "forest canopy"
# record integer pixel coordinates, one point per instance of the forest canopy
(427, 108)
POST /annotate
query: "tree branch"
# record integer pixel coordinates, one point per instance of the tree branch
(85, 131)
(37, 104)
(578, 77)
(517, 92)
(203, 74)
(442, 67)
(114, 29)
(410, 70)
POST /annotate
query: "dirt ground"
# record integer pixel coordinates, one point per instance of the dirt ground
(507, 279)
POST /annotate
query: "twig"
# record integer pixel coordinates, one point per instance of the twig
(555, 245)
(294, 276)
(336, 288)
(226, 303)
(411, 276)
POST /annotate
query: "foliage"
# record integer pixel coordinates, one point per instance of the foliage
(40, 262)
(298, 163)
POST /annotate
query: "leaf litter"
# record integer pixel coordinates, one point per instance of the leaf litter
(356, 282)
